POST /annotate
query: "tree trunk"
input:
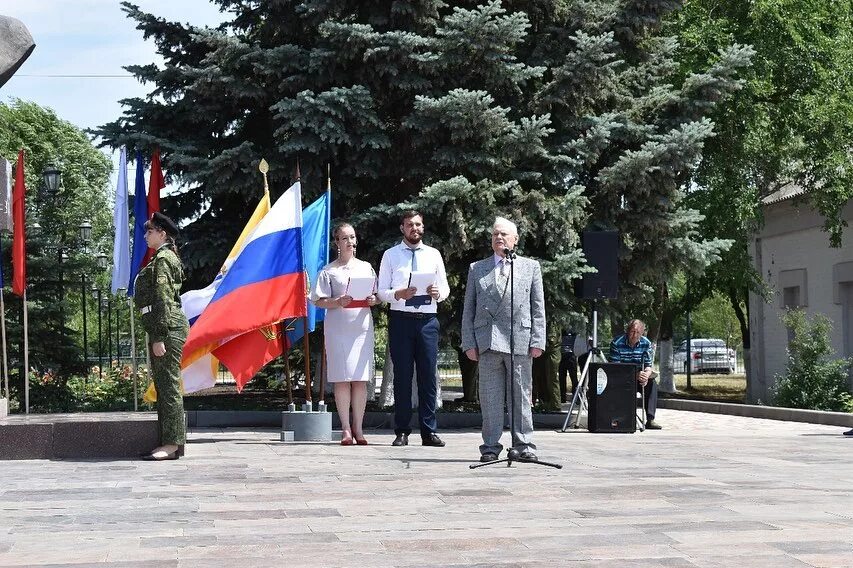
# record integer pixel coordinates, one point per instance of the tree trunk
(470, 376)
(666, 380)
(667, 373)
(743, 320)
(386, 391)
(371, 384)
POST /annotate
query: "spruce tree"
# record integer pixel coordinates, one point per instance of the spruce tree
(550, 113)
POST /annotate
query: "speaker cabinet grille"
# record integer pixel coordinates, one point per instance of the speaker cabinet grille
(612, 397)
(601, 249)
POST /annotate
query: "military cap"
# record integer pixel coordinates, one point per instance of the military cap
(163, 222)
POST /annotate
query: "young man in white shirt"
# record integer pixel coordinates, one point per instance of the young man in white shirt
(413, 327)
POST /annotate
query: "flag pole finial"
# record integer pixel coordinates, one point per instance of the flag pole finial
(264, 167)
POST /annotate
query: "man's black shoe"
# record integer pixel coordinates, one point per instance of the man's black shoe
(528, 455)
(849, 432)
(401, 440)
(432, 440)
(488, 457)
(652, 425)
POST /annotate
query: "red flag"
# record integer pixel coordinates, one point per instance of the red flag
(247, 354)
(155, 184)
(19, 249)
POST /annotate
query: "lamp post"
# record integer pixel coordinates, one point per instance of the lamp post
(109, 307)
(102, 264)
(85, 234)
(96, 293)
(63, 258)
(120, 292)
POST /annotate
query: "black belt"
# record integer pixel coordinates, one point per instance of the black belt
(412, 315)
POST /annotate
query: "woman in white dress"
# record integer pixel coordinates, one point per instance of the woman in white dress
(348, 330)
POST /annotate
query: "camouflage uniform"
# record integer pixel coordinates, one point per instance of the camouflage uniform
(158, 298)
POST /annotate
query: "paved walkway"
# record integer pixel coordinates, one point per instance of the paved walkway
(708, 490)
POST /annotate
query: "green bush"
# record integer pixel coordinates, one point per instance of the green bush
(48, 393)
(110, 391)
(113, 391)
(813, 378)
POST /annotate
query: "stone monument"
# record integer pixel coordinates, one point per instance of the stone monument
(16, 44)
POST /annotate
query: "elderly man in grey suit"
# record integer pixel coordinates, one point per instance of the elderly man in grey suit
(486, 332)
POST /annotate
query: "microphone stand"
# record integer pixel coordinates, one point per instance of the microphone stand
(512, 454)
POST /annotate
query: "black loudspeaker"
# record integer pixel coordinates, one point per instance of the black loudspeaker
(601, 249)
(612, 397)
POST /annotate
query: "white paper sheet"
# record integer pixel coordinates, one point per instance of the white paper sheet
(360, 287)
(421, 280)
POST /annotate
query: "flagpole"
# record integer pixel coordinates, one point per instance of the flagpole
(133, 356)
(287, 377)
(322, 364)
(26, 358)
(306, 346)
(3, 332)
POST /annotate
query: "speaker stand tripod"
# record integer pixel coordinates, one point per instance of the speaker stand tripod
(512, 454)
(579, 399)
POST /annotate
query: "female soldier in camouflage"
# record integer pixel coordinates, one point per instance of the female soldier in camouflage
(158, 298)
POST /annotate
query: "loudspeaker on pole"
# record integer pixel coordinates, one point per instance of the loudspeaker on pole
(601, 249)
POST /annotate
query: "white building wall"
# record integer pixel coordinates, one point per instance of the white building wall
(791, 239)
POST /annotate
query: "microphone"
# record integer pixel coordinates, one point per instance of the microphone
(509, 254)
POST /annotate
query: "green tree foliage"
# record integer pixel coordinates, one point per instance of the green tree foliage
(792, 123)
(813, 378)
(55, 257)
(550, 113)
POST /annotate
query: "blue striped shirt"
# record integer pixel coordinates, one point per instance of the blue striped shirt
(640, 354)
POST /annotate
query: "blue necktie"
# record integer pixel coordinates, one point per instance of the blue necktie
(414, 260)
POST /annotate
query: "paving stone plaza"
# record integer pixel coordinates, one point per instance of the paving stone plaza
(709, 490)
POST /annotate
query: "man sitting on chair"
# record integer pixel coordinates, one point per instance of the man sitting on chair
(634, 347)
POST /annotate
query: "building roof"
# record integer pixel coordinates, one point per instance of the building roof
(787, 191)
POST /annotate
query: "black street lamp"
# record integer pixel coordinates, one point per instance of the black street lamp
(52, 177)
(84, 231)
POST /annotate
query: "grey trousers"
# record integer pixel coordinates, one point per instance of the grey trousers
(495, 393)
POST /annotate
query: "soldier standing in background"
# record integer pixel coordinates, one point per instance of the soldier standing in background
(158, 288)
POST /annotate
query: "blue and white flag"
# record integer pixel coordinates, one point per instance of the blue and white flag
(121, 221)
(316, 219)
(140, 216)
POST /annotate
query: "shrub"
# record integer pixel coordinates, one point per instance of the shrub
(813, 378)
(50, 392)
(111, 390)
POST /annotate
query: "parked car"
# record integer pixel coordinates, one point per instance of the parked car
(706, 356)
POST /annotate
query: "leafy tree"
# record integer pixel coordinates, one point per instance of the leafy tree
(792, 123)
(550, 113)
(813, 378)
(55, 259)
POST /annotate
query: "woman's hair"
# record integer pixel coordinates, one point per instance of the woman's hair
(170, 240)
(339, 227)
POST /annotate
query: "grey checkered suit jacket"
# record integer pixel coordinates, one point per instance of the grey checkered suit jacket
(486, 316)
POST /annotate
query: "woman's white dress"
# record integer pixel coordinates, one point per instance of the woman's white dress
(348, 331)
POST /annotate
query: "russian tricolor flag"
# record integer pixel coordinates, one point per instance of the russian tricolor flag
(265, 284)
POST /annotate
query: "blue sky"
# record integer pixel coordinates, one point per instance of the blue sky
(89, 37)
